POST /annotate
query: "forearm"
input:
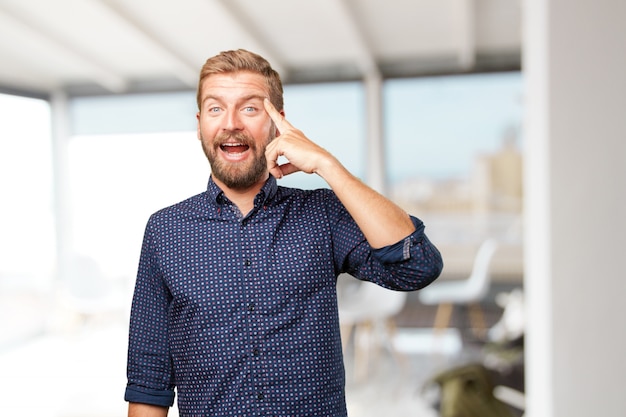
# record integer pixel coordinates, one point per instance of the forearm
(146, 410)
(382, 222)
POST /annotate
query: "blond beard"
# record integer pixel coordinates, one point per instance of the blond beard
(238, 176)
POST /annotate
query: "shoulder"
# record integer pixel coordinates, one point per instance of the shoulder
(319, 196)
(190, 207)
(318, 203)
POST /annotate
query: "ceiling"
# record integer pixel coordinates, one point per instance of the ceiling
(87, 47)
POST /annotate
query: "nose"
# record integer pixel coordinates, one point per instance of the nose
(232, 121)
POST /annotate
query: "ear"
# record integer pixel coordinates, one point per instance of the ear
(198, 126)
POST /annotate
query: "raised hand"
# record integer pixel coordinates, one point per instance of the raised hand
(301, 153)
(381, 221)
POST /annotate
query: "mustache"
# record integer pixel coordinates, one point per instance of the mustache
(238, 137)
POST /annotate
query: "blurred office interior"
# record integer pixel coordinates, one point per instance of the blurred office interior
(524, 147)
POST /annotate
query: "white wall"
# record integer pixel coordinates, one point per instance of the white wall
(575, 69)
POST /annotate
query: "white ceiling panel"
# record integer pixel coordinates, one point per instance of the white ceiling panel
(115, 46)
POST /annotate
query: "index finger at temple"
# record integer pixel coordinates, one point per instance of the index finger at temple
(275, 115)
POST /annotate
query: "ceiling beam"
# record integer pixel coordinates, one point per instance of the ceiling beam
(467, 41)
(185, 70)
(249, 27)
(365, 59)
(103, 75)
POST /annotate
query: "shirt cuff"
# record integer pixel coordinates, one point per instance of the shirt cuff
(400, 251)
(135, 394)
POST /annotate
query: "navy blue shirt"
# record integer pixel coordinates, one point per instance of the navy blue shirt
(239, 314)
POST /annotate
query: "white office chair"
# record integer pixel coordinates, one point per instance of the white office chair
(470, 291)
(368, 314)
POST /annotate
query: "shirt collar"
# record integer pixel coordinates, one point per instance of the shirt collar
(266, 194)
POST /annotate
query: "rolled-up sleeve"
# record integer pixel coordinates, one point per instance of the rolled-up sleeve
(401, 251)
(408, 265)
(415, 255)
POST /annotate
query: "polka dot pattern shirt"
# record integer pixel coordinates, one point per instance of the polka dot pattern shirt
(239, 316)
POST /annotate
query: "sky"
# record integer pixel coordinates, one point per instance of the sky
(435, 126)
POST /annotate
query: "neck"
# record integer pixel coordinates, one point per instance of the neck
(242, 198)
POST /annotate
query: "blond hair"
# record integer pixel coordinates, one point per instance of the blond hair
(242, 60)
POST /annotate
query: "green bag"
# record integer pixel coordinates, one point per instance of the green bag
(467, 391)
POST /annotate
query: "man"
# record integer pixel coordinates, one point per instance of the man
(235, 302)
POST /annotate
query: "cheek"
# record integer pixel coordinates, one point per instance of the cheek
(206, 130)
(264, 130)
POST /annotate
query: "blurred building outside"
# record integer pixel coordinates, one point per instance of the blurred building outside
(462, 212)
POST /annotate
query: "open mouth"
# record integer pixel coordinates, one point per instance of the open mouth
(234, 148)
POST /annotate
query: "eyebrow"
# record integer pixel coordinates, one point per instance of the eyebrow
(260, 97)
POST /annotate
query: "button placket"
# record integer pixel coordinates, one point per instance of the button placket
(257, 376)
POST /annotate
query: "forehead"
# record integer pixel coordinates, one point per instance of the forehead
(234, 85)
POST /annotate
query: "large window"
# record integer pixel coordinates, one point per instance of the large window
(27, 243)
(117, 181)
(453, 149)
(436, 127)
(454, 157)
(27, 246)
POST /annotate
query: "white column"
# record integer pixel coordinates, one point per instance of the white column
(63, 221)
(375, 160)
(575, 184)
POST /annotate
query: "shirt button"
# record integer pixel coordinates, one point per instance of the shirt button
(251, 307)
(255, 352)
(260, 396)
(247, 262)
